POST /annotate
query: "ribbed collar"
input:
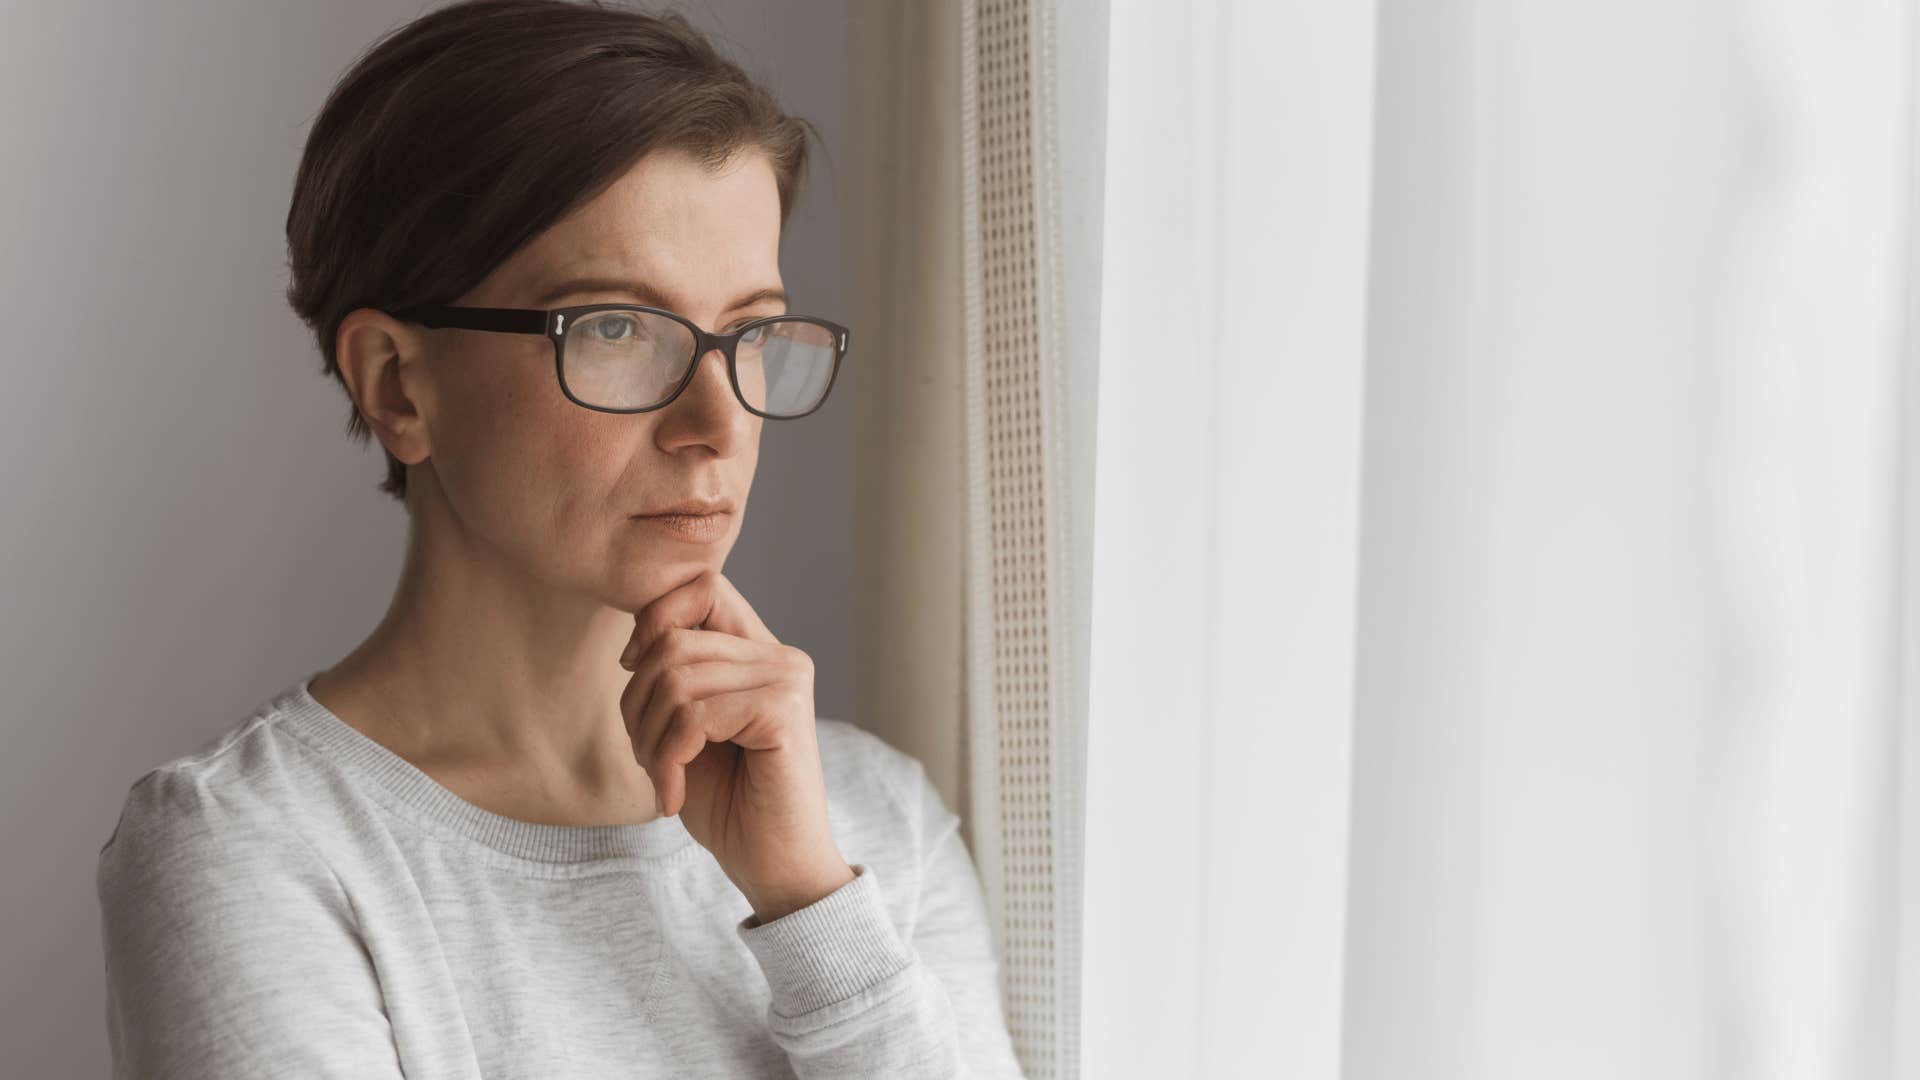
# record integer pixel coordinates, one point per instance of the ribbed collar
(353, 751)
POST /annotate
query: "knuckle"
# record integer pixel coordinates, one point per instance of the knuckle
(668, 643)
(656, 754)
(685, 715)
(669, 746)
(672, 685)
(653, 633)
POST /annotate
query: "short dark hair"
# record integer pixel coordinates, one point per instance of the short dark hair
(458, 137)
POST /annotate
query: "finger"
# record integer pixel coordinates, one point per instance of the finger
(710, 600)
(679, 647)
(730, 613)
(682, 683)
(678, 644)
(688, 665)
(753, 719)
(680, 606)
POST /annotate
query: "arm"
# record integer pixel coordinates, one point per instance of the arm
(852, 998)
(230, 947)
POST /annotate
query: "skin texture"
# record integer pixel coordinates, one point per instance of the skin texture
(497, 668)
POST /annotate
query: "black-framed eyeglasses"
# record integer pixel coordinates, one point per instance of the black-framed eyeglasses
(628, 358)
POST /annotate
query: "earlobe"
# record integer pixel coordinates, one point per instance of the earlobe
(374, 354)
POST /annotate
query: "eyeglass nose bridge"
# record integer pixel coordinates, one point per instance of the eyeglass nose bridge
(705, 342)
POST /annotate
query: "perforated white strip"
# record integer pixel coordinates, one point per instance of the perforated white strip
(1025, 757)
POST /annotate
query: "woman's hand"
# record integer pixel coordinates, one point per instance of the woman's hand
(721, 719)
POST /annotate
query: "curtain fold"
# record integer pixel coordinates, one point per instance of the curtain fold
(1802, 431)
(1225, 546)
(903, 252)
(1627, 714)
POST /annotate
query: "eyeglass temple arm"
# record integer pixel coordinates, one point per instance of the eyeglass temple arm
(507, 320)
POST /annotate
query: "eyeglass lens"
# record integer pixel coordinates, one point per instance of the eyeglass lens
(634, 359)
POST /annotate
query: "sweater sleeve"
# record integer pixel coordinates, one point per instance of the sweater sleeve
(852, 997)
(230, 947)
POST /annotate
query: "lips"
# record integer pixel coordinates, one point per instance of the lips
(690, 508)
(708, 528)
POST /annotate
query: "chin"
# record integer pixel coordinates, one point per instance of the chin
(657, 568)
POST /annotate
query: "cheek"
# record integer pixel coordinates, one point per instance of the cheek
(522, 463)
(582, 458)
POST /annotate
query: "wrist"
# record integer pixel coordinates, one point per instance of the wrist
(773, 900)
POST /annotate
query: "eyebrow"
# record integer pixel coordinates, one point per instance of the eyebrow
(647, 294)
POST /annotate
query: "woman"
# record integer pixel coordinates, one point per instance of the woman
(567, 811)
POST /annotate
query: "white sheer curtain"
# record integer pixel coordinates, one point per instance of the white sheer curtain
(1225, 539)
(1628, 661)
(1486, 543)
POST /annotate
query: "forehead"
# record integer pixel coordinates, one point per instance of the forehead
(697, 235)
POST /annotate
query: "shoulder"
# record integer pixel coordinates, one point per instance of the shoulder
(206, 818)
(862, 766)
(228, 940)
(879, 795)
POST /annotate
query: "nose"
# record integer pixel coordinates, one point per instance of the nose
(707, 411)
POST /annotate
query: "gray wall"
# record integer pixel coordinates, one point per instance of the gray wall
(187, 526)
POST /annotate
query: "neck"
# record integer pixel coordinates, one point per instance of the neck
(480, 673)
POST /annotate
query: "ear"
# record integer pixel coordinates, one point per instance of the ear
(379, 359)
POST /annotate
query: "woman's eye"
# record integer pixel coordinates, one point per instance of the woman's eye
(753, 336)
(613, 329)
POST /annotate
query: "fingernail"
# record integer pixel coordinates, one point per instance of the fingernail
(626, 658)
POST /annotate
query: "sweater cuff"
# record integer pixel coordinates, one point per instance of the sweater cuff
(829, 950)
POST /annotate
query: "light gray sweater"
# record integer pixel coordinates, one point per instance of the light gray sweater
(294, 899)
